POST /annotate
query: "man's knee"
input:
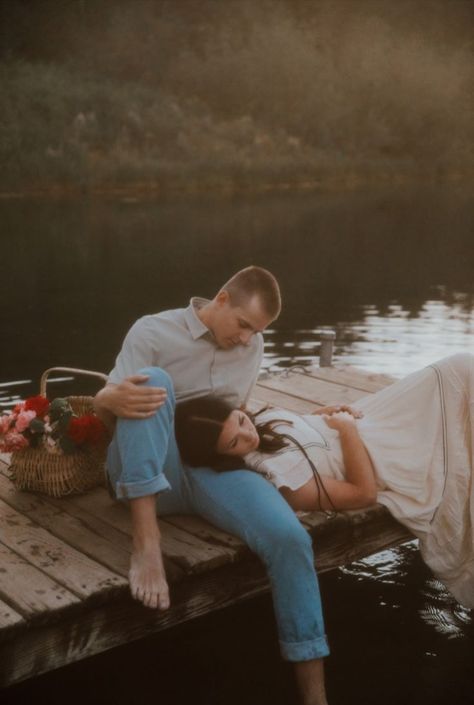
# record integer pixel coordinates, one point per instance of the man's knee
(157, 377)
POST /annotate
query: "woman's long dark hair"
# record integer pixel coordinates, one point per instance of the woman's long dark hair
(198, 425)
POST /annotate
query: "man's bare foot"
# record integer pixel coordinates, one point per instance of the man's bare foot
(148, 579)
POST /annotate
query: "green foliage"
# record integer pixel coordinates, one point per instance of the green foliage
(177, 95)
(66, 445)
(36, 426)
(60, 410)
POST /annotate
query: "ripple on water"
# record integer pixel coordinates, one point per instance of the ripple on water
(388, 567)
(442, 612)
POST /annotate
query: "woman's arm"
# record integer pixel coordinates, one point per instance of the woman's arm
(357, 491)
(335, 409)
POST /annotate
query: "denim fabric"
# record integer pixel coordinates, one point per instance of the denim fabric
(143, 459)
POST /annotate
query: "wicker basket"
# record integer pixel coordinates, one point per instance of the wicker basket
(37, 470)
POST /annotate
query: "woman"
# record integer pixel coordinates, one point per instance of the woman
(409, 447)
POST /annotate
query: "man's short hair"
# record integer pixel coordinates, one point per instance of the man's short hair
(255, 281)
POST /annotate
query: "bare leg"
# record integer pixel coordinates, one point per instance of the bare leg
(309, 677)
(147, 574)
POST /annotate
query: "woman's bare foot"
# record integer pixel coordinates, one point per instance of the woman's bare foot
(148, 579)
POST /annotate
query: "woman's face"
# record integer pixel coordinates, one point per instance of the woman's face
(238, 436)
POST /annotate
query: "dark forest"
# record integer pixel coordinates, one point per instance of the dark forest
(205, 93)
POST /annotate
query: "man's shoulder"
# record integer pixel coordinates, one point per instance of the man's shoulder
(162, 318)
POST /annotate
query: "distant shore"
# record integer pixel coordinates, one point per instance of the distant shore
(227, 187)
(66, 133)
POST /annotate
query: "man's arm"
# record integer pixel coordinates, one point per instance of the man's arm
(124, 396)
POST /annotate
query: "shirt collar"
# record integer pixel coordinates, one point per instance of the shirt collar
(194, 323)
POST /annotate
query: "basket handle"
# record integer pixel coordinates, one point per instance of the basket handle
(46, 373)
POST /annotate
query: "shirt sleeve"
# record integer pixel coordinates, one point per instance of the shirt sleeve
(138, 350)
(258, 364)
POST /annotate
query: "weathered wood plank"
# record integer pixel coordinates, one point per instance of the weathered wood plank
(71, 529)
(206, 532)
(8, 618)
(78, 573)
(262, 396)
(121, 539)
(190, 552)
(349, 376)
(309, 389)
(351, 535)
(96, 514)
(122, 620)
(78, 521)
(28, 589)
(187, 551)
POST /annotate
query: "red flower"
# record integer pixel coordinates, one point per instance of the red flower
(86, 429)
(39, 404)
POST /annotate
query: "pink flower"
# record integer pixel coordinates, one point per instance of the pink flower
(14, 441)
(23, 420)
(5, 422)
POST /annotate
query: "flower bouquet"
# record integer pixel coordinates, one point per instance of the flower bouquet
(57, 447)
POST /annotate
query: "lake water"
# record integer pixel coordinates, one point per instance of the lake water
(390, 272)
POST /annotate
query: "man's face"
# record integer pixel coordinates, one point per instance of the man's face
(235, 325)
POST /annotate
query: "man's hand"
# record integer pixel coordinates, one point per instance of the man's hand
(335, 409)
(130, 399)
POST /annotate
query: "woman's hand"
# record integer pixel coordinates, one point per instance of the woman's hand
(340, 421)
(335, 409)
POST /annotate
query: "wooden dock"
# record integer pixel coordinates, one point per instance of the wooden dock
(64, 562)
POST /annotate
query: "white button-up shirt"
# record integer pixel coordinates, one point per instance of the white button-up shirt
(181, 344)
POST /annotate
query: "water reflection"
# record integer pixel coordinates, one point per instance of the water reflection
(438, 609)
(399, 342)
(387, 567)
(395, 341)
(442, 612)
(79, 273)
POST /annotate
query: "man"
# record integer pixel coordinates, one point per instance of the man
(210, 347)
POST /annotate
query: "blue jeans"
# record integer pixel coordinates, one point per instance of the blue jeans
(143, 459)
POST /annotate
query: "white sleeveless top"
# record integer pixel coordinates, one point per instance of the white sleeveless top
(288, 467)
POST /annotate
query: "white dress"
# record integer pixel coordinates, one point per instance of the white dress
(419, 433)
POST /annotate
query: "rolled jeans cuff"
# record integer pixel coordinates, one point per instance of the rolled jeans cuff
(304, 650)
(131, 490)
